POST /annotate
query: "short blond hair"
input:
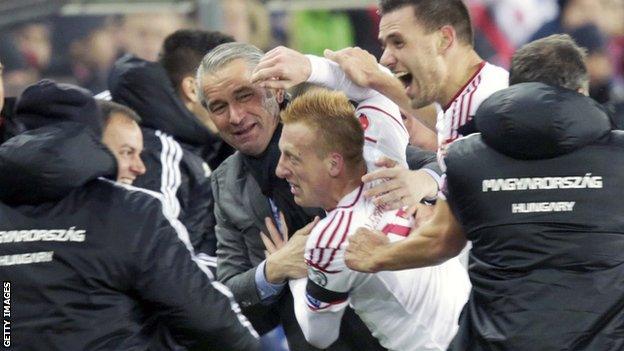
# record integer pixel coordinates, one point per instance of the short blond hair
(332, 117)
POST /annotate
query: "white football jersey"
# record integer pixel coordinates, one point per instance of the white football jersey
(384, 131)
(416, 309)
(451, 118)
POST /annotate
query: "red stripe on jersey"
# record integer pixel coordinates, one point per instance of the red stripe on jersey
(478, 81)
(342, 240)
(464, 113)
(331, 237)
(460, 117)
(321, 252)
(481, 65)
(396, 229)
(454, 121)
(323, 269)
(384, 112)
(357, 197)
(318, 242)
(370, 139)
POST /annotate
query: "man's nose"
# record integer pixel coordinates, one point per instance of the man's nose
(138, 167)
(387, 59)
(281, 171)
(236, 114)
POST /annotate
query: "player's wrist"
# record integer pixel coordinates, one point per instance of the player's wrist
(430, 184)
(377, 261)
(380, 81)
(273, 272)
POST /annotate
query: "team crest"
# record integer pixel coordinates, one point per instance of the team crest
(364, 121)
(317, 276)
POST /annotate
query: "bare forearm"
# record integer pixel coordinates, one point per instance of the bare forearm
(420, 249)
(392, 88)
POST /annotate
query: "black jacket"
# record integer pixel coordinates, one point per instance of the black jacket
(175, 142)
(87, 261)
(539, 193)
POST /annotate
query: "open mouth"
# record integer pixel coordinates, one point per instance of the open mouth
(294, 189)
(127, 181)
(405, 78)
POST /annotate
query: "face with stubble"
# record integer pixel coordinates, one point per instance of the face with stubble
(245, 114)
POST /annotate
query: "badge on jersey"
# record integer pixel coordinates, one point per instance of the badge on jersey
(317, 276)
(364, 121)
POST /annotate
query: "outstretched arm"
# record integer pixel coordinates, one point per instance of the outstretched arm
(362, 68)
(283, 68)
(431, 244)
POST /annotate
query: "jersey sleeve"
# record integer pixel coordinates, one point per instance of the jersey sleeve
(320, 327)
(328, 74)
(321, 298)
(384, 131)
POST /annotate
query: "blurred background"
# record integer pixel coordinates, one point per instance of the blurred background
(78, 40)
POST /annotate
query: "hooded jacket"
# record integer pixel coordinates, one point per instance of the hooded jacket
(86, 261)
(174, 143)
(539, 193)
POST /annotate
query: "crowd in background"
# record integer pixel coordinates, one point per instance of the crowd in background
(82, 49)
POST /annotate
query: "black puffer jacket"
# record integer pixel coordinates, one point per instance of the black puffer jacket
(539, 193)
(175, 142)
(86, 261)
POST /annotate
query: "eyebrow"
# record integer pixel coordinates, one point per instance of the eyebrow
(393, 35)
(292, 155)
(244, 89)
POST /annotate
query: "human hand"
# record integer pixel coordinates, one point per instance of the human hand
(359, 65)
(282, 68)
(401, 187)
(285, 258)
(363, 249)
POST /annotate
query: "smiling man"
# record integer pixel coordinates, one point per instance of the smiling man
(122, 135)
(428, 44)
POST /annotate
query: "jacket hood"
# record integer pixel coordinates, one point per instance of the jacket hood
(538, 121)
(145, 87)
(45, 164)
(47, 102)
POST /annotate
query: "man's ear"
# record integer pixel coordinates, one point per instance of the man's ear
(446, 38)
(189, 89)
(280, 94)
(335, 164)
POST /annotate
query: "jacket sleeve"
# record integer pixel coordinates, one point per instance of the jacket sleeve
(182, 179)
(418, 158)
(199, 312)
(234, 267)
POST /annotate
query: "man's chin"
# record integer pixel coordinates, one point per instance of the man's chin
(299, 201)
(418, 102)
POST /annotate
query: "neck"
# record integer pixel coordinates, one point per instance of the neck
(459, 74)
(343, 186)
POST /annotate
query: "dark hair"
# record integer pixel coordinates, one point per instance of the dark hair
(108, 108)
(433, 14)
(555, 60)
(183, 50)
